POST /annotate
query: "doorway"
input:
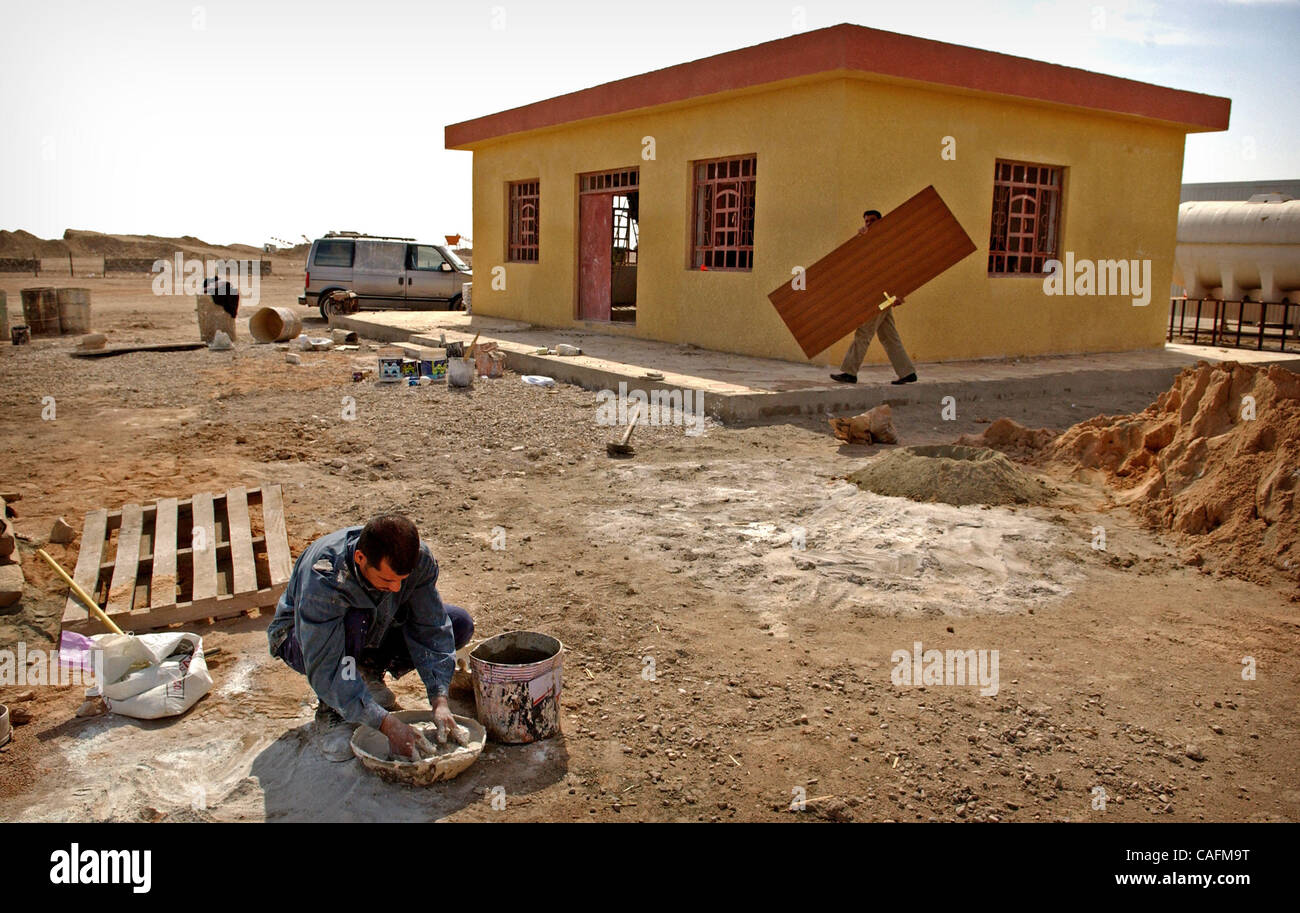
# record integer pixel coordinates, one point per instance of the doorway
(608, 241)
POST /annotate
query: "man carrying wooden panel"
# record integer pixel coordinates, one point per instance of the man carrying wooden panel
(881, 324)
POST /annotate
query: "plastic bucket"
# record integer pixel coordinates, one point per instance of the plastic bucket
(460, 373)
(270, 324)
(41, 311)
(517, 679)
(74, 310)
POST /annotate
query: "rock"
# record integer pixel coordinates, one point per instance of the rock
(292, 359)
(61, 533)
(19, 716)
(23, 697)
(11, 585)
(1195, 753)
(93, 706)
(92, 341)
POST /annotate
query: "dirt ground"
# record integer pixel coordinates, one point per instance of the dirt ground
(730, 607)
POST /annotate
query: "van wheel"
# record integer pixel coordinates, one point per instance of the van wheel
(456, 304)
(323, 303)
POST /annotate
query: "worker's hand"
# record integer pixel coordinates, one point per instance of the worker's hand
(447, 725)
(401, 737)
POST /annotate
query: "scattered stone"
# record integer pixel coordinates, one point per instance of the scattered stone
(61, 533)
(19, 716)
(11, 586)
(1194, 753)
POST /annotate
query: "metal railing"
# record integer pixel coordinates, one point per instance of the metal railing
(1235, 324)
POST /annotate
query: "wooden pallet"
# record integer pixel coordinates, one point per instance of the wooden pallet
(156, 576)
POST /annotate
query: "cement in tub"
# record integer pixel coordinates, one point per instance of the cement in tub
(372, 748)
(517, 679)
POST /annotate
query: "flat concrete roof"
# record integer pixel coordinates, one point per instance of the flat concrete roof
(865, 52)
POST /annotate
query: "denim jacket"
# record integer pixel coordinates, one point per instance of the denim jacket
(324, 585)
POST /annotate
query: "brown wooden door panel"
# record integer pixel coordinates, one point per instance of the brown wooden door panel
(902, 252)
(596, 242)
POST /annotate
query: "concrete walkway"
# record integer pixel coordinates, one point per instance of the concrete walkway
(743, 388)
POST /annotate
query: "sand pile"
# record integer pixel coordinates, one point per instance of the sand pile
(1216, 457)
(1009, 436)
(952, 474)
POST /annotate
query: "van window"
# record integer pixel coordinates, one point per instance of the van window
(425, 256)
(334, 253)
(454, 260)
(381, 256)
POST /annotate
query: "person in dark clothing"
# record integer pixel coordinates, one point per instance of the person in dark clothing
(224, 295)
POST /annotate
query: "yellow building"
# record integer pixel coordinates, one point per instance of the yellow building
(668, 205)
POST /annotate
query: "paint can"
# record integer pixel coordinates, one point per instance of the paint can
(390, 368)
(6, 731)
(20, 335)
(517, 679)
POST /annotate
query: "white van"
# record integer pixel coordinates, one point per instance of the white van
(385, 273)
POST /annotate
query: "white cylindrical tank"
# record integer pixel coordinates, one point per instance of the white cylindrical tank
(1236, 250)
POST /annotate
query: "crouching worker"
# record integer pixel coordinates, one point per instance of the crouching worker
(363, 601)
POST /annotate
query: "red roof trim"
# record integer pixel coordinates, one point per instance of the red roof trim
(856, 48)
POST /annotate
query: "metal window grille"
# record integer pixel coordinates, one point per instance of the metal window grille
(724, 214)
(605, 181)
(524, 224)
(1025, 229)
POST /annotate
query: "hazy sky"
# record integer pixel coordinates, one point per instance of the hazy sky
(236, 120)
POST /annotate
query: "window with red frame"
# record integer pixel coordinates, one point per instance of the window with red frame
(522, 246)
(1026, 224)
(724, 214)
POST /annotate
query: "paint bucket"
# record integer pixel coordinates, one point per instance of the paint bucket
(270, 324)
(212, 319)
(517, 679)
(390, 367)
(460, 373)
(74, 310)
(5, 729)
(41, 311)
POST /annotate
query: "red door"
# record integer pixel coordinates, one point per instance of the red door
(596, 242)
